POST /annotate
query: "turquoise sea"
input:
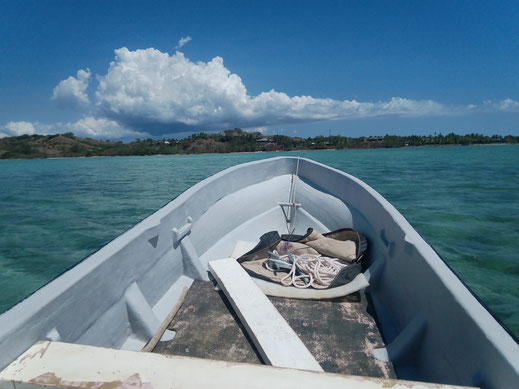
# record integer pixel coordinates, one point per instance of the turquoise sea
(463, 200)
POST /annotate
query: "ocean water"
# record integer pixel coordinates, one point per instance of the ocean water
(463, 200)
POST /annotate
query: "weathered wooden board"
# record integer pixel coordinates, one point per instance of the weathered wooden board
(275, 340)
(207, 327)
(54, 364)
(340, 334)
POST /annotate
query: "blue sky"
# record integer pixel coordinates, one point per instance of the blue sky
(110, 69)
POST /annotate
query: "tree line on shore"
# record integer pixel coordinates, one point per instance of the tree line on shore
(233, 140)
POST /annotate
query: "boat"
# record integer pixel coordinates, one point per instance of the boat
(431, 327)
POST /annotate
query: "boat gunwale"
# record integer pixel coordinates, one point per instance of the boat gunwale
(140, 228)
(137, 229)
(469, 302)
(407, 227)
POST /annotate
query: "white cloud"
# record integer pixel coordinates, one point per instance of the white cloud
(28, 128)
(161, 93)
(17, 129)
(261, 130)
(71, 93)
(151, 92)
(182, 42)
(150, 88)
(506, 105)
(101, 128)
(86, 127)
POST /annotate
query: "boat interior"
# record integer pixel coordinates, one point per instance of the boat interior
(341, 334)
(415, 320)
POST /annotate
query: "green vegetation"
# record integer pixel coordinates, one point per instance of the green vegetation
(234, 140)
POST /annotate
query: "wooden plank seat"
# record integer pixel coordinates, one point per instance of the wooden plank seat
(275, 340)
(340, 333)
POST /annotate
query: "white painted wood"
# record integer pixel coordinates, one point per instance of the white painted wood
(143, 321)
(54, 364)
(170, 298)
(277, 290)
(179, 233)
(275, 340)
(241, 247)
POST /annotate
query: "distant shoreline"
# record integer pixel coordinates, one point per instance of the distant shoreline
(184, 154)
(256, 152)
(227, 142)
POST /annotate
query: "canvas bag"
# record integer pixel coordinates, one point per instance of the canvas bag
(346, 244)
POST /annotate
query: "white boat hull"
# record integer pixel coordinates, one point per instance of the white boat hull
(434, 328)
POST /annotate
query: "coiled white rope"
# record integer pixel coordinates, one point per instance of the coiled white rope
(313, 269)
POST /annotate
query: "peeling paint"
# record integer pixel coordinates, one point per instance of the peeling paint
(392, 383)
(132, 382)
(86, 367)
(383, 366)
(340, 334)
(41, 352)
(208, 328)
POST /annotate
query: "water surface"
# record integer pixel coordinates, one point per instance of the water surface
(463, 200)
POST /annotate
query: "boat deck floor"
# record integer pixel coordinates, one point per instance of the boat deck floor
(341, 334)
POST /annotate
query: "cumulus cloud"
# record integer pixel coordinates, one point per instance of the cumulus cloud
(153, 89)
(182, 42)
(18, 128)
(101, 128)
(26, 128)
(71, 93)
(506, 105)
(151, 92)
(161, 92)
(89, 127)
(261, 130)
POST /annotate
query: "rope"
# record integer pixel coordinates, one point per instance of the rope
(305, 269)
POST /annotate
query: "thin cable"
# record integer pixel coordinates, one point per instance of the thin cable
(292, 200)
